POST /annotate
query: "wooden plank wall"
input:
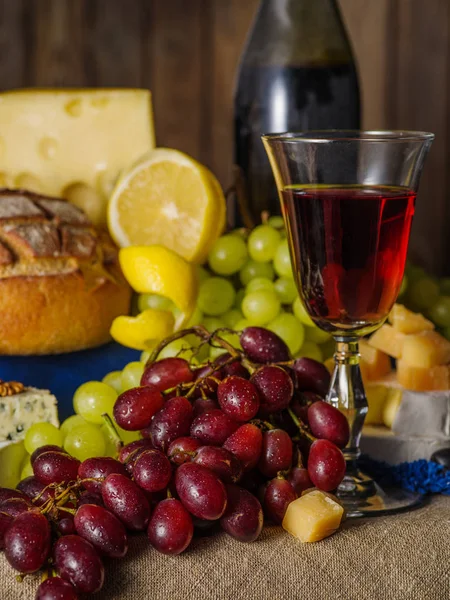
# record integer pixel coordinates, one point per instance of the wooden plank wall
(186, 52)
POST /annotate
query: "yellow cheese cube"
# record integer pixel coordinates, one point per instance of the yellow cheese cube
(391, 405)
(374, 363)
(376, 395)
(50, 139)
(422, 379)
(313, 517)
(388, 340)
(426, 349)
(406, 321)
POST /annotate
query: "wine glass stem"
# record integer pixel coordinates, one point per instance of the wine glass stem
(347, 393)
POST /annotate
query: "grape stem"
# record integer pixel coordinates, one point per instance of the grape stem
(197, 330)
(113, 431)
(300, 426)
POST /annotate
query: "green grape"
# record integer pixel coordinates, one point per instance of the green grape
(232, 317)
(196, 318)
(328, 348)
(310, 350)
(11, 459)
(110, 440)
(228, 255)
(263, 243)
(286, 290)
(276, 222)
(404, 286)
(131, 375)
(414, 273)
(202, 274)
(216, 296)
(260, 307)
(446, 333)
(114, 380)
(240, 232)
(85, 441)
(145, 355)
(94, 398)
(27, 469)
(231, 338)
(444, 286)
(316, 335)
(242, 324)
(301, 314)
(71, 422)
(155, 301)
(423, 293)
(253, 269)
(290, 330)
(439, 313)
(259, 283)
(182, 348)
(240, 295)
(282, 261)
(212, 323)
(42, 434)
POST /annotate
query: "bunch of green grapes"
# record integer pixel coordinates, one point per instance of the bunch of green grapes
(428, 295)
(248, 280)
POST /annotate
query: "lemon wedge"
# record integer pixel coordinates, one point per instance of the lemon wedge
(168, 198)
(144, 331)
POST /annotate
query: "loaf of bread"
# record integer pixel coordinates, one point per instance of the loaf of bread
(60, 281)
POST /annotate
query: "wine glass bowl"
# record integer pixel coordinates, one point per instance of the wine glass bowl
(348, 200)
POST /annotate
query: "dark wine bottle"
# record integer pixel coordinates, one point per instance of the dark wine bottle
(297, 73)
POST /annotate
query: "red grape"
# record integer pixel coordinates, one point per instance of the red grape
(55, 588)
(327, 422)
(213, 428)
(36, 490)
(238, 398)
(232, 368)
(6, 493)
(15, 506)
(127, 450)
(103, 529)
(209, 374)
(203, 405)
(276, 453)
(27, 542)
(312, 376)
(167, 373)
(326, 465)
(182, 450)
(171, 422)
(221, 461)
(5, 522)
(263, 346)
(278, 495)
(134, 409)
(201, 491)
(55, 467)
(152, 471)
(275, 388)
(170, 529)
(77, 561)
(299, 479)
(246, 444)
(90, 498)
(243, 518)
(127, 501)
(98, 468)
(47, 448)
(66, 525)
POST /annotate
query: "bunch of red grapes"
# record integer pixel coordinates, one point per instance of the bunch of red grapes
(223, 444)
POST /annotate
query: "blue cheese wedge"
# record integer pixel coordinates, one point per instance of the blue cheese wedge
(19, 411)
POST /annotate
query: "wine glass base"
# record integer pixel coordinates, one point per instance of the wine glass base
(363, 497)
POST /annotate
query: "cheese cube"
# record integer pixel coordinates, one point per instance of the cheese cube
(391, 405)
(422, 379)
(374, 363)
(20, 411)
(51, 139)
(426, 349)
(406, 321)
(376, 395)
(313, 517)
(388, 340)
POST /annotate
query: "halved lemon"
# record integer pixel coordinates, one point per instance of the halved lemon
(168, 198)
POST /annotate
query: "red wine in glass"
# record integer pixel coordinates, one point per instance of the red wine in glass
(349, 247)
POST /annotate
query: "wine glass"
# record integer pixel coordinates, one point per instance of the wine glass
(347, 199)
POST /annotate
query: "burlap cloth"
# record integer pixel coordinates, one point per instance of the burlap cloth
(387, 558)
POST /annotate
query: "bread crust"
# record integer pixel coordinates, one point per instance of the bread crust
(53, 314)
